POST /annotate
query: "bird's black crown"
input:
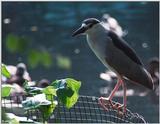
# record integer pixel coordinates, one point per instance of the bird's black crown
(91, 21)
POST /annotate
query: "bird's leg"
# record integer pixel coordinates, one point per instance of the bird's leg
(122, 108)
(106, 102)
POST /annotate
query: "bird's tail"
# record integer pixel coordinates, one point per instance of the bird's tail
(143, 78)
(147, 79)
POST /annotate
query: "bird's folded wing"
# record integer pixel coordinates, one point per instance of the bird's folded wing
(123, 46)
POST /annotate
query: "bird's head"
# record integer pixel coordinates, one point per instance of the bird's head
(87, 24)
(21, 68)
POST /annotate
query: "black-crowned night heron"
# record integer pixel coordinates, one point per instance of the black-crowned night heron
(115, 54)
(18, 74)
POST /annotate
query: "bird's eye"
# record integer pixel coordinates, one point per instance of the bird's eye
(90, 25)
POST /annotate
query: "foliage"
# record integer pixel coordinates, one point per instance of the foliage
(35, 56)
(67, 91)
(5, 71)
(39, 57)
(16, 44)
(63, 62)
(14, 119)
(35, 102)
(6, 90)
(45, 99)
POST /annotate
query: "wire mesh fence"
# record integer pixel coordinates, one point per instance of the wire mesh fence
(86, 110)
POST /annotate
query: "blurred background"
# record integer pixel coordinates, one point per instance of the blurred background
(39, 35)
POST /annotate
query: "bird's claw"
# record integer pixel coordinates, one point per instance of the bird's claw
(106, 103)
(121, 110)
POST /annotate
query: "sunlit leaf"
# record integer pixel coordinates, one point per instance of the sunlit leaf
(39, 57)
(47, 110)
(16, 43)
(63, 62)
(14, 121)
(33, 90)
(5, 71)
(69, 94)
(6, 90)
(73, 84)
(50, 92)
(35, 102)
(46, 59)
(59, 84)
(34, 58)
(40, 101)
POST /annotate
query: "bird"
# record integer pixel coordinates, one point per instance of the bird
(18, 77)
(15, 69)
(117, 55)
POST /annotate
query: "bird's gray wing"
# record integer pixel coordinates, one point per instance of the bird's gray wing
(123, 46)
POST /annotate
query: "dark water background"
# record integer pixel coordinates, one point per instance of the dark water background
(55, 22)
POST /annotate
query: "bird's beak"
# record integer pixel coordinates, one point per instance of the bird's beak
(81, 30)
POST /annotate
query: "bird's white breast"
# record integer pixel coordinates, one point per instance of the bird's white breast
(98, 42)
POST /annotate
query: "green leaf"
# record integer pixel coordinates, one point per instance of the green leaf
(5, 71)
(35, 102)
(50, 92)
(55, 83)
(33, 90)
(39, 57)
(69, 95)
(34, 58)
(16, 44)
(14, 121)
(73, 84)
(59, 84)
(47, 110)
(63, 62)
(6, 90)
(39, 101)
(46, 59)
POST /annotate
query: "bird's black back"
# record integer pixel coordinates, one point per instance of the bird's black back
(123, 46)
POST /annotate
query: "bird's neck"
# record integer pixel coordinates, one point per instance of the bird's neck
(98, 29)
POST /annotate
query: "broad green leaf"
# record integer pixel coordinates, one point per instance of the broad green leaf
(55, 83)
(33, 90)
(59, 84)
(5, 71)
(63, 62)
(39, 101)
(6, 90)
(47, 110)
(16, 43)
(73, 84)
(14, 121)
(46, 59)
(34, 58)
(39, 57)
(69, 95)
(35, 102)
(49, 90)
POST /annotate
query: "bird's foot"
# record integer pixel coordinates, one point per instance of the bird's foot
(121, 109)
(106, 103)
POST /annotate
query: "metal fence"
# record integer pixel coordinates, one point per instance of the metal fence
(86, 110)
